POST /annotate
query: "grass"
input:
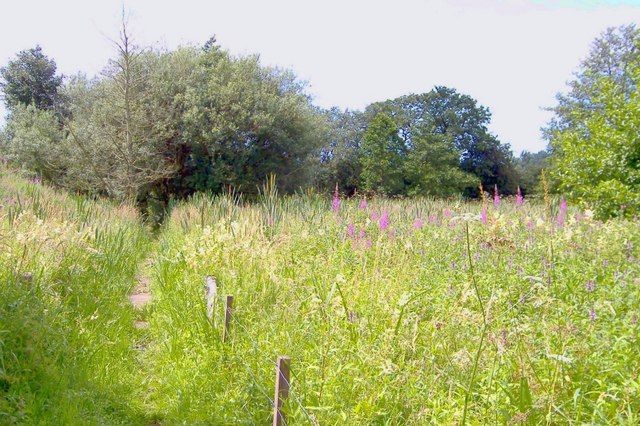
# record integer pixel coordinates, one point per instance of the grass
(519, 320)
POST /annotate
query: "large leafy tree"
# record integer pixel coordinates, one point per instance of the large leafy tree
(382, 157)
(432, 166)
(30, 79)
(459, 118)
(250, 121)
(339, 158)
(598, 162)
(611, 56)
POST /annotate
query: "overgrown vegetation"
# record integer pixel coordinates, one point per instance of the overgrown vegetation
(66, 327)
(388, 313)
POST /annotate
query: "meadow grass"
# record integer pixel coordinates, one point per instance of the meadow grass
(66, 327)
(377, 307)
(392, 311)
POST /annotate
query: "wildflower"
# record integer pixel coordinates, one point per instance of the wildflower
(447, 213)
(519, 198)
(530, 225)
(351, 230)
(363, 204)
(335, 203)
(433, 218)
(368, 243)
(383, 223)
(592, 314)
(483, 215)
(562, 214)
(374, 216)
(496, 196)
(590, 286)
(362, 233)
(418, 223)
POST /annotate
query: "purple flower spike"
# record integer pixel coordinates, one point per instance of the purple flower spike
(383, 223)
(496, 196)
(483, 215)
(363, 204)
(418, 223)
(335, 203)
(351, 230)
(519, 198)
(562, 213)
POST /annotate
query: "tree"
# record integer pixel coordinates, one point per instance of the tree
(433, 166)
(37, 143)
(339, 159)
(529, 166)
(248, 122)
(30, 79)
(382, 157)
(598, 162)
(610, 56)
(459, 118)
(119, 149)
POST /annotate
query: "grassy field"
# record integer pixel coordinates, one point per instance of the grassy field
(393, 312)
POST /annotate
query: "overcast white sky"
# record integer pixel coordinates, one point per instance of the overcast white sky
(512, 56)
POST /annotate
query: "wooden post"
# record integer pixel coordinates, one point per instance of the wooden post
(281, 389)
(211, 292)
(228, 311)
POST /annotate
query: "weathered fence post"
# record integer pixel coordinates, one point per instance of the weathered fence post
(281, 389)
(211, 290)
(228, 311)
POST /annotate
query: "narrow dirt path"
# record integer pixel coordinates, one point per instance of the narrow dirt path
(141, 294)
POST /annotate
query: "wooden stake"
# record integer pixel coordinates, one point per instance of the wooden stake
(228, 311)
(281, 389)
(211, 292)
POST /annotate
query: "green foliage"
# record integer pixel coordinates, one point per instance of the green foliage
(66, 328)
(612, 56)
(599, 163)
(382, 157)
(37, 142)
(383, 326)
(433, 167)
(529, 167)
(30, 79)
(458, 117)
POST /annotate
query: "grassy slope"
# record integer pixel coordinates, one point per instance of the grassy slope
(66, 334)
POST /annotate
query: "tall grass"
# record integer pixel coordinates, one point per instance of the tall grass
(428, 315)
(390, 327)
(66, 326)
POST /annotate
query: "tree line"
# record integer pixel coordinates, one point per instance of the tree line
(158, 125)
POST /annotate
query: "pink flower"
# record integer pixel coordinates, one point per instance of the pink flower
(362, 233)
(335, 203)
(447, 213)
(383, 223)
(483, 215)
(433, 218)
(368, 243)
(530, 225)
(562, 213)
(363, 204)
(519, 198)
(374, 216)
(418, 223)
(351, 230)
(496, 196)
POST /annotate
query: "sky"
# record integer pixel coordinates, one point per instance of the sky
(512, 56)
